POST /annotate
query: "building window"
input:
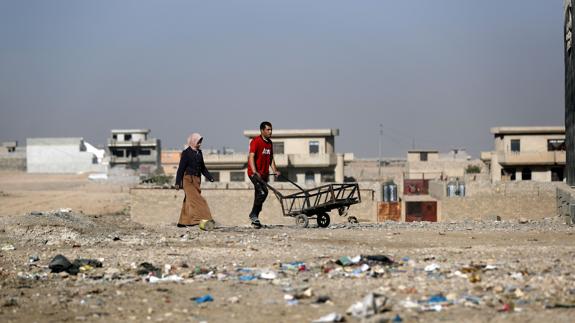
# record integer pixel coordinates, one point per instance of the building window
(118, 153)
(309, 177)
(145, 152)
(114, 136)
(127, 137)
(526, 174)
(556, 145)
(557, 174)
(515, 145)
(216, 176)
(278, 148)
(237, 176)
(314, 147)
(423, 156)
(508, 174)
(327, 177)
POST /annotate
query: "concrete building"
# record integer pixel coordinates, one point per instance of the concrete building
(135, 149)
(12, 157)
(304, 156)
(430, 164)
(527, 153)
(62, 155)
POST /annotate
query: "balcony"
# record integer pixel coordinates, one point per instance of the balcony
(139, 143)
(531, 158)
(234, 161)
(123, 160)
(312, 160)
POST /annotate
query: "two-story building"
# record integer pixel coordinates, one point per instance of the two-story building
(134, 148)
(305, 156)
(527, 153)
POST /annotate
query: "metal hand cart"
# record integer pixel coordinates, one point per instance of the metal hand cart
(316, 202)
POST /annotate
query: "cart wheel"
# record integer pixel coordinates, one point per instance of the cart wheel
(323, 220)
(352, 219)
(342, 211)
(301, 220)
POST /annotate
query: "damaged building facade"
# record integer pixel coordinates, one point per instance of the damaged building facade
(134, 149)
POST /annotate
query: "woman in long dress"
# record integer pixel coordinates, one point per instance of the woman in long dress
(191, 167)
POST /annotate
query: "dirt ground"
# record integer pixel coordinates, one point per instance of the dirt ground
(458, 271)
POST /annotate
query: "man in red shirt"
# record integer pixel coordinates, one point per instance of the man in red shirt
(260, 159)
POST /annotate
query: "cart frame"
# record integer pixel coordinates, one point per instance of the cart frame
(316, 202)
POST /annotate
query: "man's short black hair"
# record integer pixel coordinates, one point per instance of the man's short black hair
(265, 124)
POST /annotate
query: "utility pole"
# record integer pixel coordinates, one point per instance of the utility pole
(380, 142)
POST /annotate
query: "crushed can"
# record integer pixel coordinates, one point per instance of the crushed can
(207, 225)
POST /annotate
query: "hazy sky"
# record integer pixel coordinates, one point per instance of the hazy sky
(438, 73)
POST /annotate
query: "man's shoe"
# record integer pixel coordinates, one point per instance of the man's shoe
(256, 223)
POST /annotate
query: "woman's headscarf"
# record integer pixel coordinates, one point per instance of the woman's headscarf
(193, 140)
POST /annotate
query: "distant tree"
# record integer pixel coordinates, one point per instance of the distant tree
(473, 169)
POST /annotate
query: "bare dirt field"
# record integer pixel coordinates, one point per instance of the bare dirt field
(382, 272)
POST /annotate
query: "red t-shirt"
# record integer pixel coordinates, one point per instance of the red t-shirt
(263, 155)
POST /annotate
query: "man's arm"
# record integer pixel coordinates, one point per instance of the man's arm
(252, 164)
(274, 167)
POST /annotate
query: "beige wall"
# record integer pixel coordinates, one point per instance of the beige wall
(509, 200)
(415, 156)
(300, 145)
(231, 206)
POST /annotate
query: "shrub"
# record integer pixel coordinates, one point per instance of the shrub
(473, 169)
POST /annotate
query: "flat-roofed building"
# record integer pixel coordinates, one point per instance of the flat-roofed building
(527, 153)
(62, 155)
(134, 148)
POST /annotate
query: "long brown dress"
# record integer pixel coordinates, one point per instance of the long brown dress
(194, 208)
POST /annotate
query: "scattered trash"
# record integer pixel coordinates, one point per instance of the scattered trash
(170, 278)
(60, 264)
(33, 259)
(203, 299)
(294, 266)
(507, 307)
(233, 300)
(147, 268)
(331, 317)
(380, 259)
(7, 247)
(207, 225)
(371, 304)
(322, 299)
(247, 278)
(347, 261)
(432, 267)
(437, 299)
(270, 275)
